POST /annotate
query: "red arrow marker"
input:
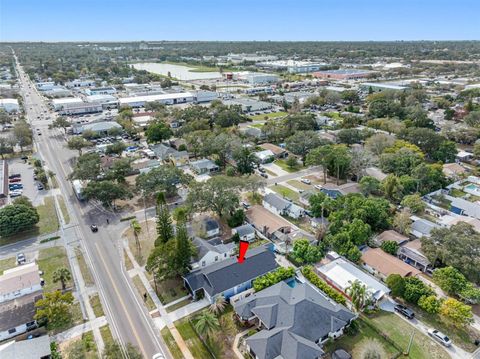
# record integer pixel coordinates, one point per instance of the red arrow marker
(242, 251)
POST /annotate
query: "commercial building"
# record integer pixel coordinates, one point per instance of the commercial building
(57, 92)
(166, 98)
(101, 91)
(107, 101)
(9, 104)
(248, 104)
(19, 281)
(66, 102)
(101, 127)
(382, 86)
(81, 109)
(292, 66)
(44, 86)
(256, 78)
(294, 322)
(80, 83)
(343, 74)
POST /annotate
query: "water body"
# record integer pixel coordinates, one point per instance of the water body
(178, 71)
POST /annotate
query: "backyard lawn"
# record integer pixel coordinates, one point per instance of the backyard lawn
(50, 259)
(285, 192)
(283, 165)
(269, 116)
(398, 330)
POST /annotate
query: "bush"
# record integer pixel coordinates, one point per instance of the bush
(272, 278)
(429, 304)
(16, 218)
(390, 247)
(415, 289)
(322, 285)
(236, 219)
(396, 284)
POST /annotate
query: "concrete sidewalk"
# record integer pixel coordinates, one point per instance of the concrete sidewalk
(80, 329)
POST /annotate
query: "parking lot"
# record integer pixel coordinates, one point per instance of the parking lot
(18, 166)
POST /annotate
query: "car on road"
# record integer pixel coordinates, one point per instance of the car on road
(264, 175)
(158, 356)
(407, 313)
(40, 186)
(21, 258)
(440, 337)
(306, 181)
(94, 228)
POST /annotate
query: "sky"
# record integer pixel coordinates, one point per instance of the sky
(275, 20)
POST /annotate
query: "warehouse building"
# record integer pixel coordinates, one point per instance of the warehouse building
(101, 127)
(57, 91)
(107, 101)
(101, 91)
(293, 66)
(382, 86)
(81, 109)
(345, 74)
(80, 83)
(66, 102)
(45, 86)
(248, 104)
(167, 99)
(9, 104)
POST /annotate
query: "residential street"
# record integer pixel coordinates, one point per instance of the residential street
(128, 318)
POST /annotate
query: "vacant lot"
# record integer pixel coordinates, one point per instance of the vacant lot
(50, 259)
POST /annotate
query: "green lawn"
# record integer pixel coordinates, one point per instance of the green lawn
(48, 223)
(48, 217)
(86, 274)
(353, 343)
(283, 165)
(285, 192)
(50, 259)
(300, 185)
(171, 343)
(106, 334)
(142, 290)
(6, 263)
(399, 331)
(194, 344)
(96, 305)
(63, 208)
(76, 319)
(170, 290)
(269, 116)
(128, 262)
(178, 305)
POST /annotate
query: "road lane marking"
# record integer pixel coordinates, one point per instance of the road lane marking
(121, 301)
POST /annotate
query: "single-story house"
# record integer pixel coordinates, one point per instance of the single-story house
(464, 156)
(422, 227)
(411, 253)
(179, 158)
(208, 253)
(265, 222)
(341, 273)
(17, 315)
(382, 264)
(35, 348)
(391, 235)
(253, 132)
(276, 204)
(211, 227)
(305, 196)
(294, 322)
(19, 281)
(204, 166)
(265, 156)
(162, 151)
(229, 277)
(246, 232)
(277, 151)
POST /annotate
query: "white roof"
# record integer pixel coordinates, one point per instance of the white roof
(463, 153)
(63, 100)
(151, 98)
(264, 154)
(10, 101)
(96, 98)
(342, 273)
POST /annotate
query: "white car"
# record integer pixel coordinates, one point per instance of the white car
(306, 181)
(317, 186)
(158, 356)
(440, 337)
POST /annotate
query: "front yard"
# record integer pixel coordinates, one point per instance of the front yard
(285, 192)
(283, 165)
(49, 260)
(169, 290)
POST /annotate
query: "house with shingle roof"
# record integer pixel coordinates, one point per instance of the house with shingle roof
(280, 206)
(294, 321)
(209, 253)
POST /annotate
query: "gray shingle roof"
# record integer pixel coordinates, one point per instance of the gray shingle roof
(276, 201)
(224, 275)
(244, 230)
(204, 247)
(297, 318)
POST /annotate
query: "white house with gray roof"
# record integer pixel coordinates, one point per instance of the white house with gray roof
(246, 232)
(280, 206)
(294, 321)
(208, 253)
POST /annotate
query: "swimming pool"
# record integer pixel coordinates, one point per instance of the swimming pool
(472, 187)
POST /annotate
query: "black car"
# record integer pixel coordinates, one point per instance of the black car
(16, 175)
(94, 228)
(407, 313)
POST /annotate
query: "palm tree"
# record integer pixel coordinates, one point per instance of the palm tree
(137, 229)
(219, 305)
(359, 295)
(207, 324)
(62, 275)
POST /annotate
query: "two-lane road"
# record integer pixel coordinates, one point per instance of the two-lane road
(128, 318)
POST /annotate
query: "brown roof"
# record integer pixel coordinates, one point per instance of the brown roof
(387, 264)
(453, 168)
(391, 235)
(261, 217)
(274, 148)
(18, 278)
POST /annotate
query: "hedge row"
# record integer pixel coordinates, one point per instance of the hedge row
(322, 285)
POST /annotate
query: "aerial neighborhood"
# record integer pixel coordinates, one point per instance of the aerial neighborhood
(266, 200)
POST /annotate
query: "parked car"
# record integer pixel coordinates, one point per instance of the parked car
(40, 186)
(407, 313)
(14, 186)
(261, 169)
(158, 356)
(15, 175)
(14, 180)
(21, 258)
(306, 181)
(264, 175)
(317, 186)
(15, 194)
(440, 337)
(94, 228)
